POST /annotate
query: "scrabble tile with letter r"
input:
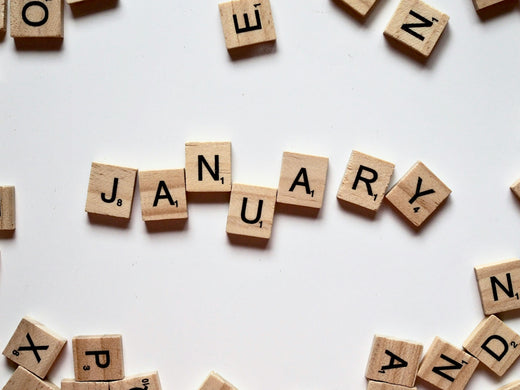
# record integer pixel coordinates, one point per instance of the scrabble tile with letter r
(98, 358)
(416, 26)
(111, 190)
(34, 347)
(446, 367)
(247, 22)
(36, 18)
(215, 382)
(494, 344)
(302, 180)
(394, 361)
(418, 194)
(499, 286)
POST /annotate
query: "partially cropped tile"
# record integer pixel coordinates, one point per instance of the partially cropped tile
(25, 380)
(36, 19)
(148, 381)
(215, 382)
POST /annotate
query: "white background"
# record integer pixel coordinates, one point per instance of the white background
(131, 85)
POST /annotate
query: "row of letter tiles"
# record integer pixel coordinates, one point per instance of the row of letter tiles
(302, 184)
(415, 25)
(7, 208)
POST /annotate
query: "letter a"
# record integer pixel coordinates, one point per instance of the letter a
(162, 187)
(305, 182)
(401, 363)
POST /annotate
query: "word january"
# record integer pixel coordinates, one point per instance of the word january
(251, 208)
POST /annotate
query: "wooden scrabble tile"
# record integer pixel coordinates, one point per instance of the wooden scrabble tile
(7, 208)
(251, 211)
(148, 381)
(365, 181)
(494, 344)
(498, 284)
(447, 367)
(208, 166)
(98, 358)
(246, 22)
(302, 180)
(3, 16)
(483, 4)
(34, 347)
(360, 7)
(111, 190)
(23, 379)
(163, 195)
(394, 361)
(71, 384)
(418, 194)
(417, 26)
(215, 382)
(511, 386)
(386, 386)
(36, 19)
(515, 188)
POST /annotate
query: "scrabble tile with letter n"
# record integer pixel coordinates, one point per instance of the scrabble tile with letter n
(208, 166)
(247, 22)
(416, 26)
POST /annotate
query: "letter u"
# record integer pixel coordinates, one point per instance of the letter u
(258, 212)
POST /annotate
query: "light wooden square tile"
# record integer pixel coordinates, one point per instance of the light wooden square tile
(365, 181)
(208, 166)
(148, 381)
(24, 380)
(498, 284)
(511, 386)
(7, 208)
(360, 7)
(447, 367)
(98, 358)
(494, 344)
(386, 386)
(71, 384)
(515, 188)
(215, 382)
(483, 4)
(163, 195)
(394, 361)
(247, 22)
(3, 16)
(417, 26)
(111, 190)
(418, 194)
(34, 347)
(36, 19)
(302, 180)
(251, 211)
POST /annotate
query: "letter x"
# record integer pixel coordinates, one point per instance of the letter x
(33, 348)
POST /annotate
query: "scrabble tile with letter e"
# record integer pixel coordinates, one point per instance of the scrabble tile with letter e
(148, 381)
(163, 195)
(251, 211)
(447, 367)
(365, 181)
(36, 19)
(71, 384)
(494, 344)
(246, 22)
(111, 190)
(208, 166)
(302, 180)
(394, 361)
(416, 26)
(7, 208)
(34, 347)
(372, 385)
(215, 382)
(23, 379)
(498, 284)
(418, 194)
(98, 358)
